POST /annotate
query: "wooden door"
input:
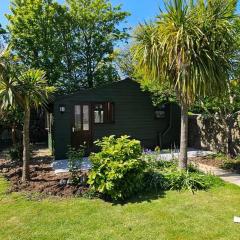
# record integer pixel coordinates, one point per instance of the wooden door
(82, 127)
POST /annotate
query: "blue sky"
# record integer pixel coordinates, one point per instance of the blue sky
(140, 9)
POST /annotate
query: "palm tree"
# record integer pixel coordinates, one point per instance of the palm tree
(189, 48)
(28, 90)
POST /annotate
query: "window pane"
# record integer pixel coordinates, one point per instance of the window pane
(101, 116)
(98, 107)
(77, 113)
(98, 116)
(85, 117)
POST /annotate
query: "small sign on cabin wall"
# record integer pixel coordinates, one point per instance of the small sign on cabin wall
(160, 114)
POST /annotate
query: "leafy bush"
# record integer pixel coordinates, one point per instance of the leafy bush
(75, 158)
(179, 180)
(165, 175)
(155, 181)
(232, 165)
(16, 153)
(118, 169)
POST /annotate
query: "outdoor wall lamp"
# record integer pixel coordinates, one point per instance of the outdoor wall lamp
(62, 109)
(163, 107)
(160, 112)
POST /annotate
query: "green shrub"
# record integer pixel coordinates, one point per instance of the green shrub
(75, 157)
(165, 175)
(179, 180)
(16, 153)
(232, 165)
(154, 181)
(117, 170)
(186, 180)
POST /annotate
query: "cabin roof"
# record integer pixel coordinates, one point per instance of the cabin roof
(112, 84)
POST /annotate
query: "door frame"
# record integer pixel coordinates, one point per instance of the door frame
(90, 122)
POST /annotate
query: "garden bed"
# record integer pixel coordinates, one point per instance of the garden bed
(154, 174)
(219, 161)
(43, 178)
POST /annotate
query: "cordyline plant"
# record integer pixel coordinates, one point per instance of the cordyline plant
(26, 89)
(190, 48)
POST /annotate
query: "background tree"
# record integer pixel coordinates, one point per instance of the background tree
(2, 37)
(72, 43)
(190, 47)
(125, 63)
(12, 118)
(224, 111)
(127, 67)
(36, 30)
(97, 31)
(26, 89)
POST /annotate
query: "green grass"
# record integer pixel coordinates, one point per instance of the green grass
(205, 215)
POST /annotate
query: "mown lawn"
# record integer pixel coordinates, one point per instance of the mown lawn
(205, 215)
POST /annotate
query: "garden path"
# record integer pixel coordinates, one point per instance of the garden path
(61, 166)
(225, 175)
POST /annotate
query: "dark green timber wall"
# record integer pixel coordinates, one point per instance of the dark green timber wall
(134, 116)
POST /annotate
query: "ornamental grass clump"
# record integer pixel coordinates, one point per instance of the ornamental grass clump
(187, 180)
(161, 175)
(118, 169)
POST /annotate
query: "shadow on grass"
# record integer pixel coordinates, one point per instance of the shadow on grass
(139, 198)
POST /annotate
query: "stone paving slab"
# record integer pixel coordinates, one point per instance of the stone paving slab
(61, 166)
(191, 153)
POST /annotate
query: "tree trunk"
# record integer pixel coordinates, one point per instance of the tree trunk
(229, 132)
(26, 148)
(90, 79)
(184, 137)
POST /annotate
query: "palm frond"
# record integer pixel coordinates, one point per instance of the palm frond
(188, 46)
(28, 88)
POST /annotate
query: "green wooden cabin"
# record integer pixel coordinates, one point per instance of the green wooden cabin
(116, 109)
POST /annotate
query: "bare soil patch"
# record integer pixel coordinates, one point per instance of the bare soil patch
(43, 178)
(220, 161)
(208, 160)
